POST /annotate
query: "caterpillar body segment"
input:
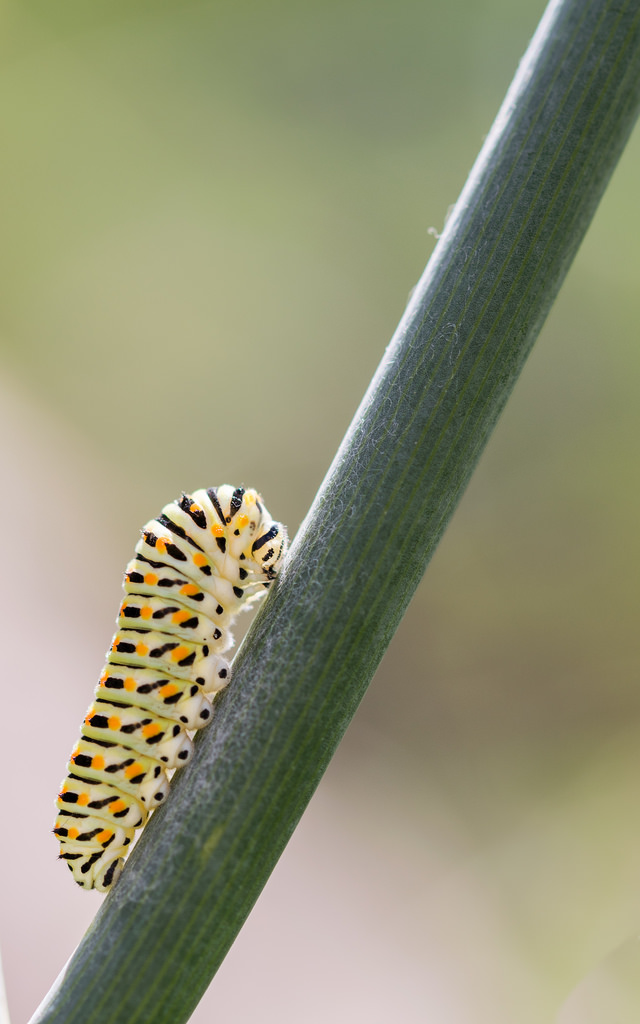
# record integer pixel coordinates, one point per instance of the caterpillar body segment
(169, 616)
(150, 648)
(125, 769)
(88, 831)
(142, 578)
(179, 699)
(103, 800)
(108, 721)
(206, 557)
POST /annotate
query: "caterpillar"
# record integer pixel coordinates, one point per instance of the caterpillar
(206, 557)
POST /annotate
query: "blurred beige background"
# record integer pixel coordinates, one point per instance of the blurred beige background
(212, 216)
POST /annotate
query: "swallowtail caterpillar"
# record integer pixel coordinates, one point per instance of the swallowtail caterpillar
(206, 557)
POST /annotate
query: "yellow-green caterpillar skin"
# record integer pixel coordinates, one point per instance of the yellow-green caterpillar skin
(205, 558)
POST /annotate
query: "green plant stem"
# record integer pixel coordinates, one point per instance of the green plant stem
(364, 546)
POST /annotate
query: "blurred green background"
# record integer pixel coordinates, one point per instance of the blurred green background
(213, 215)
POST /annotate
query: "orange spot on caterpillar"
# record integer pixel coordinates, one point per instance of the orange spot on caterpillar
(194, 508)
(98, 762)
(104, 836)
(179, 653)
(217, 530)
(151, 730)
(179, 617)
(73, 833)
(199, 559)
(133, 769)
(83, 799)
(151, 579)
(114, 723)
(189, 589)
(146, 611)
(129, 683)
(117, 806)
(142, 650)
(242, 521)
(168, 690)
(161, 545)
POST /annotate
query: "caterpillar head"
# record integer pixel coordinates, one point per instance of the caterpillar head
(270, 546)
(251, 532)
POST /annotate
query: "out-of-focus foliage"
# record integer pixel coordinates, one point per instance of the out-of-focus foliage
(181, 184)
